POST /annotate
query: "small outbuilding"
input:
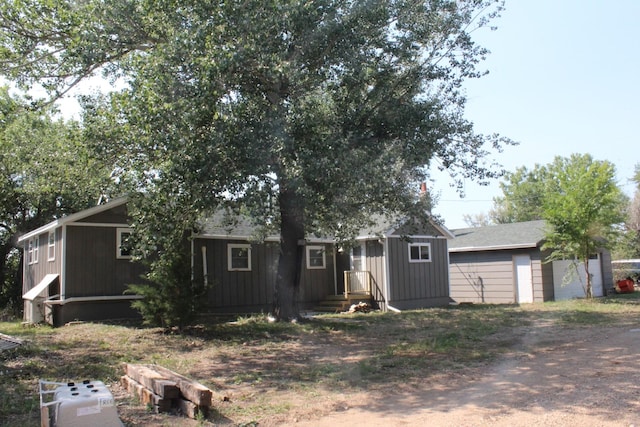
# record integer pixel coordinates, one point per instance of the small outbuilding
(505, 263)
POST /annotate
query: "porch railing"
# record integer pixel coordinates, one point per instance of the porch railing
(357, 282)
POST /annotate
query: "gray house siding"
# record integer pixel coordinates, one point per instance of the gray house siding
(376, 266)
(418, 284)
(84, 257)
(92, 268)
(34, 272)
(252, 291)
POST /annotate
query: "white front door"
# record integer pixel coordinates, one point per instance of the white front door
(524, 281)
(357, 281)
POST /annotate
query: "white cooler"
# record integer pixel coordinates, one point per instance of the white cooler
(85, 404)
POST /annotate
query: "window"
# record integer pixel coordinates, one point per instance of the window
(32, 250)
(316, 258)
(239, 257)
(123, 243)
(419, 252)
(51, 247)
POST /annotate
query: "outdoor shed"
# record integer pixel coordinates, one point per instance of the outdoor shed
(505, 263)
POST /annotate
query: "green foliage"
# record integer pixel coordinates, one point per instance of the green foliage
(628, 245)
(582, 206)
(161, 234)
(46, 171)
(312, 116)
(523, 194)
(170, 297)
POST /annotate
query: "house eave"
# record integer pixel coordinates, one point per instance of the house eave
(252, 238)
(73, 217)
(494, 247)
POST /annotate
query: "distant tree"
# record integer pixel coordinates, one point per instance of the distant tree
(46, 171)
(582, 206)
(477, 220)
(629, 243)
(310, 115)
(523, 193)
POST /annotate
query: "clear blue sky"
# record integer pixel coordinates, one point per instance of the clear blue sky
(563, 79)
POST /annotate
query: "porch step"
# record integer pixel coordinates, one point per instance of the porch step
(338, 303)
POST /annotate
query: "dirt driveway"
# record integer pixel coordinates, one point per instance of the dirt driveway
(554, 377)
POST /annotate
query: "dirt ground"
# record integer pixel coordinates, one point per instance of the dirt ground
(553, 376)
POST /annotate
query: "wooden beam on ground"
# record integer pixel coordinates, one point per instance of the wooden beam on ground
(153, 380)
(191, 390)
(146, 396)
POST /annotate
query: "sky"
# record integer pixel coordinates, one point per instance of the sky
(563, 79)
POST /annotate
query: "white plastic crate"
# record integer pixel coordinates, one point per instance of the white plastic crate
(85, 404)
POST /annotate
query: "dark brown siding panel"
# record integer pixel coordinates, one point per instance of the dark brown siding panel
(252, 291)
(92, 268)
(117, 215)
(35, 272)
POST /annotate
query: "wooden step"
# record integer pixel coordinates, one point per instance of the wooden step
(338, 303)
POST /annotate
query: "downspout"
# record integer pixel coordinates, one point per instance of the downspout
(387, 277)
(335, 271)
(63, 264)
(205, 272)
(193, 257)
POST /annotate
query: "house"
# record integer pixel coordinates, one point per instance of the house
(77, 268)
(505, 263)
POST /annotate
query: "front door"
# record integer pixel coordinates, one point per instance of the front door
(358, 266)
(524, 282)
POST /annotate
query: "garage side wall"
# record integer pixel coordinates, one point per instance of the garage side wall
(481, 277)
(488, 276)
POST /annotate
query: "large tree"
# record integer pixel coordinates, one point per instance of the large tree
(582, 205)
(46, 171)
(311, 116)
(522, 196)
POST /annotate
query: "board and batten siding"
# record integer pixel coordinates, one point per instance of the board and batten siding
(252, 291)
(92, 268)
(375, 265)
(418, 284)
(35, 272)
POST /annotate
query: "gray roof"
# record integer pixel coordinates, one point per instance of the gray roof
(516, 235)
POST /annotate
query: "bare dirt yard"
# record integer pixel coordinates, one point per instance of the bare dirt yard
(551, 374)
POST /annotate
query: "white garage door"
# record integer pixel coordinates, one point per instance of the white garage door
(563, 272)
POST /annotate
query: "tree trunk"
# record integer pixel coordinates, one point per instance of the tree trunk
(588, 277)
(287, 289)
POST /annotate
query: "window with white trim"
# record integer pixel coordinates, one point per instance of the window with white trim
(51, 246)
(33, 247)
(419, 252)
(316, 258)
(238, 257)
(124, 250)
